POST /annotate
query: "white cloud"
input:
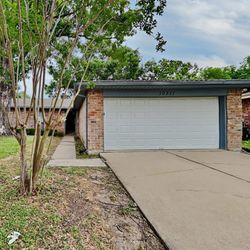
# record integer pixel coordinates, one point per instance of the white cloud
(210, 61)
(224, 23)
(209, 32)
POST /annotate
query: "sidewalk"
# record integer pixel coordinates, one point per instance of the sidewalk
(66, 149)
(65, 156)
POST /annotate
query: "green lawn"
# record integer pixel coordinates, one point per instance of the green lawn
(9, 146)
(75, 208)
(246, 144)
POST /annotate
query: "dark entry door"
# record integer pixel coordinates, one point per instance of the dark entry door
(70, 122)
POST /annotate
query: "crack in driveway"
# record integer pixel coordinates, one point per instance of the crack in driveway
(174, 171)
(212, 192)
(207, 166)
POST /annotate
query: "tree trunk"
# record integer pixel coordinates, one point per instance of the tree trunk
(38, 160)
(1, 111)
(24, 180)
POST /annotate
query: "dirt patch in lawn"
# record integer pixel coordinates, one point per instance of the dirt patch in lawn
(77, 208)
(97, 213)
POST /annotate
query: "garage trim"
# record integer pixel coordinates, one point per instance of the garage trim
(223, 122)
(164, 92)
(212, 92)
(115, 120)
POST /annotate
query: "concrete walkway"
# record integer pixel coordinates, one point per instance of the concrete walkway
(65, 156)
(194, 199)
(66, 149)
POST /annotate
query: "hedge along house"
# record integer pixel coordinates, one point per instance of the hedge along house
(63, 128)
(138, 115)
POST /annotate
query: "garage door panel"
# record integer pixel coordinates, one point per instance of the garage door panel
(163, 123)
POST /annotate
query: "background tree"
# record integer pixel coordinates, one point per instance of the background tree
(211, 73)
(59, 32)
(106, 50)
(169, 70)
(243, 71)
(115, 64)
(229, 72)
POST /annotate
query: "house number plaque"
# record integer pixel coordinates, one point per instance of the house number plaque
(167, 92)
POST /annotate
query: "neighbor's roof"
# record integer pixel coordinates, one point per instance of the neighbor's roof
(246, 95)
(47, 103)
(145, 84)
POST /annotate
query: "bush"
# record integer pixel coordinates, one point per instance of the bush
(59, 134)
(31, 131)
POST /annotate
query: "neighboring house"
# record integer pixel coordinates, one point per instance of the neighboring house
(246, 109)
(135, 115)
(66, 127)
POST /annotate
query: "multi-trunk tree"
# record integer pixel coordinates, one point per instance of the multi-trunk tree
(58, 35)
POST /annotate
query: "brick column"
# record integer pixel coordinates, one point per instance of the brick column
(95, 121)
(234, 120)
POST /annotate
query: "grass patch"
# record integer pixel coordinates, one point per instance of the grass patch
(17, 215)
(76, 208)
(246, 144)
(26, 215)
(9, 146)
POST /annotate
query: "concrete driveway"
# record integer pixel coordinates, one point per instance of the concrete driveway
(193, 199)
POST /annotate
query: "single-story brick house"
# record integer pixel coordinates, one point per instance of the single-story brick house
(246, 109)
(66, 127)
(134, 115)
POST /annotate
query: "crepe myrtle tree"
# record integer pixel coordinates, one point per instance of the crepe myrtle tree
(52, 33)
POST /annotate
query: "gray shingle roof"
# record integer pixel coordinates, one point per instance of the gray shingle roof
(47, 103)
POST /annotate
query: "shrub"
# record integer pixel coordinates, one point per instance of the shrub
(31, 131)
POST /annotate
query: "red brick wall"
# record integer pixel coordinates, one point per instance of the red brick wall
(95, 123)
(30, 123)
(234, 120)
(246, 111)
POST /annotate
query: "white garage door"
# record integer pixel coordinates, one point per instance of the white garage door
(161, 123)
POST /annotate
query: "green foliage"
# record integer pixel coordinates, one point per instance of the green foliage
(216, 73)
(100, 53)
(119, 63)
(33, 26)
(229, 72)
(243, 72)
(246, 144)
(170, 70)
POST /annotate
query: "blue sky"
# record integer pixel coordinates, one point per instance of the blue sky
(208, 32)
